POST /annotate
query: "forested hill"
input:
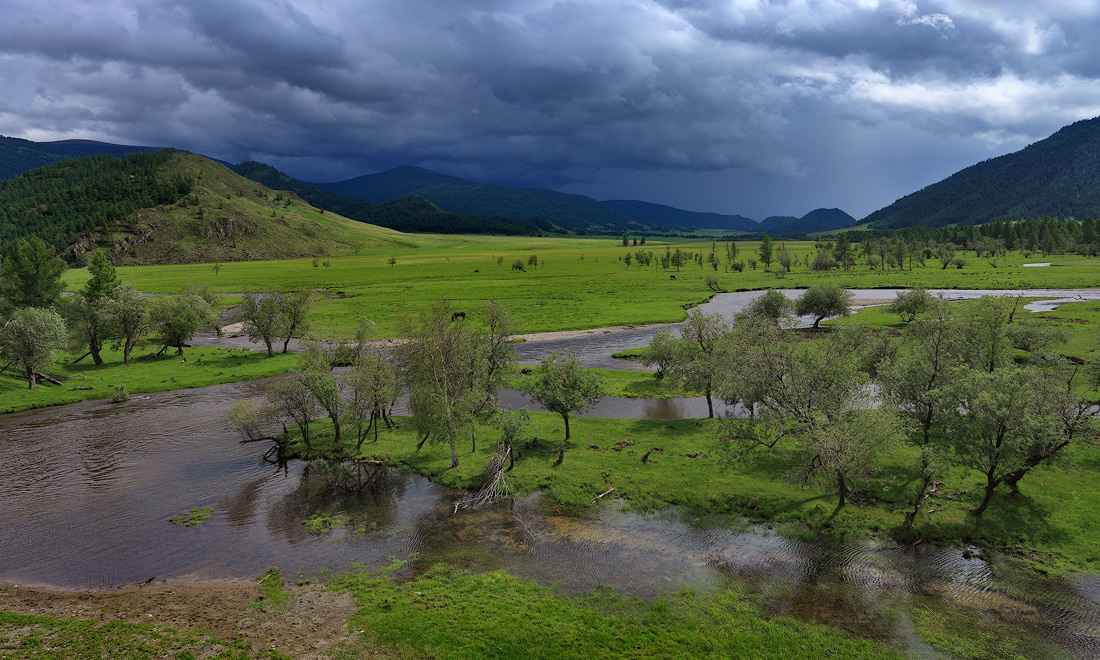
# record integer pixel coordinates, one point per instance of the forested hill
(570, 212)
(168, 207)
(1058, 177)
(403, 214)
(18, 156)
(661, 216)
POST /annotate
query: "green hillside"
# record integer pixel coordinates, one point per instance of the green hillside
(1058, 176)
(403, 213)
(668, 217)
(18, 156)
(575, 213)
(169, 207)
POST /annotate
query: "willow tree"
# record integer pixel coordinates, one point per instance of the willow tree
(29, 339)
(562, 386)
(439, 361)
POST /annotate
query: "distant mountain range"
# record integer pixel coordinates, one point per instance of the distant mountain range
(575, 213)
(419, 200)
(1058, 176)
(659, 215)
(18, 156)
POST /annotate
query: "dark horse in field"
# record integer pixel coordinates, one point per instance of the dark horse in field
(458, 315)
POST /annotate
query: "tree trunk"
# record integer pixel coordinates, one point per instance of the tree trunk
(286, 344)
(126, 348)
(918, 501)
(270, 352)
(565, 416)
(454, 454)
(990, 485)
(94, 348)
(710, 404)
(31, 381)
(473, 441)
(422, 441)
(842, 488)
(335, 430)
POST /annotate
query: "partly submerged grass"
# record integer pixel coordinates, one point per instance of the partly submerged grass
(1051, 522)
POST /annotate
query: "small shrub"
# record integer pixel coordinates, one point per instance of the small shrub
(712, 282)
(121, 394)
(518, 265)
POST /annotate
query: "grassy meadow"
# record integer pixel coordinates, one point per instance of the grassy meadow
(204, 366)
(578, 283)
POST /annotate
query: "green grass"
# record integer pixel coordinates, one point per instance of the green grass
(580, 282)
(204, 366)
(447, 613)
(45, 638)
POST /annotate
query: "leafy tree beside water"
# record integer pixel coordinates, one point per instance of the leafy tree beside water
(29, 339)
(562, 386)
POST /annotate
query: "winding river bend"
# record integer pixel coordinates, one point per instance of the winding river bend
(88, 489)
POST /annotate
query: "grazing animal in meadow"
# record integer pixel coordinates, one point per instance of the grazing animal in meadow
(526, 371)
(476, 270)
(671, 277)
(458, 315)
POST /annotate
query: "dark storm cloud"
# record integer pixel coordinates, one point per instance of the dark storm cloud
(746, 106)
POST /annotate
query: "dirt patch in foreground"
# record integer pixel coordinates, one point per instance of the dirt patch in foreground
(309, 622)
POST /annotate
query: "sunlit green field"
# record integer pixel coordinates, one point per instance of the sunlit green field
(578, 282)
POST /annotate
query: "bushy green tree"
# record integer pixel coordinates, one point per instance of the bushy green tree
(29, 339)
(698, 356)
(913, 302)
(439, 362)
(176, 319)
(771, 305)
(562, 386)
(128, 312)
(822, 301)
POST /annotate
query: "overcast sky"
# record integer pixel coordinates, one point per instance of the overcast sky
(757, 108)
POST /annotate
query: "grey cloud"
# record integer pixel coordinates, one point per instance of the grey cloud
(768, 98)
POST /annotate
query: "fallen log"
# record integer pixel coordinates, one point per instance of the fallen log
(41, 376)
